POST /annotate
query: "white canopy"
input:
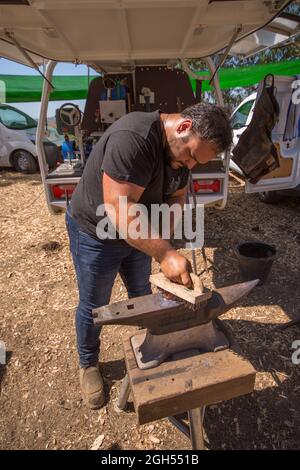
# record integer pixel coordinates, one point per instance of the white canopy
(124, 33)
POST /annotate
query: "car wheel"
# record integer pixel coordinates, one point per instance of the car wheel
(25, 162)
(269, 197)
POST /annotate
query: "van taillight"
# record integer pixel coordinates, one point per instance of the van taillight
(61, 191)
(207, 186)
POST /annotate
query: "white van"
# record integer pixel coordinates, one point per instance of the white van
(17, 141)
(285, 180)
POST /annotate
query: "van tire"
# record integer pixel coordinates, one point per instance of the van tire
(269, 197)
(24, 162)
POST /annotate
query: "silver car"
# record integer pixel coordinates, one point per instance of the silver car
(17, 141)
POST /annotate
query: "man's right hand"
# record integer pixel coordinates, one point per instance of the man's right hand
(177, 268)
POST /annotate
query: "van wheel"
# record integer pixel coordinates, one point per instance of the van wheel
(269, 197)
(24, 162)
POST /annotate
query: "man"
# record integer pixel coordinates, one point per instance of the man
(145, 157)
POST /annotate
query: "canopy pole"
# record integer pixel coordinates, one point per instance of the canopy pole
(12, 38)
(190, 72)
(215, 80)
(237, 31)
(220, 101)
(47, 88)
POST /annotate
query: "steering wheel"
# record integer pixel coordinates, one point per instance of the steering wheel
(70, 114)
(109, 83)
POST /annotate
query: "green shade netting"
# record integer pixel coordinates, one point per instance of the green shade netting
(250, 75)
(28, 88)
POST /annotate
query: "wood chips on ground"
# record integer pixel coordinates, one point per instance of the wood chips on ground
(40, 402)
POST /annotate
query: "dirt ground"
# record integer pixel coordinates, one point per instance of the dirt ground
(40, 402)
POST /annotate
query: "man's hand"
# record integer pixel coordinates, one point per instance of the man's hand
(177, 268)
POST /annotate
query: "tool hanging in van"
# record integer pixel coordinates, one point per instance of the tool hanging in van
(255, 153)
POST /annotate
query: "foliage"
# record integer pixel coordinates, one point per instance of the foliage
(287, 51)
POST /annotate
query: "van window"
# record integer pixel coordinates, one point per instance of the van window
(15, 119)
(240, 117)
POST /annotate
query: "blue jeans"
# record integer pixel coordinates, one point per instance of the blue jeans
(97, 263)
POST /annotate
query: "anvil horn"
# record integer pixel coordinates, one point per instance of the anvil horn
(224, 298)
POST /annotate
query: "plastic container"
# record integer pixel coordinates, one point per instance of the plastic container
(67, 150)
(255, 260)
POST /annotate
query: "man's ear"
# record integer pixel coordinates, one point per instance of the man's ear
(184, 126)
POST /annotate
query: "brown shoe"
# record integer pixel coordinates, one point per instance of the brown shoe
(92, 387)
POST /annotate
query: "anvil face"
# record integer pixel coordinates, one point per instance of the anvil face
(161, 316)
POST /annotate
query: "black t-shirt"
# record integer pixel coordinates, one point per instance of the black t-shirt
(130, 150)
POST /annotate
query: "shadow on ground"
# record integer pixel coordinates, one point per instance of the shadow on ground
(8, 177)
(3, 367)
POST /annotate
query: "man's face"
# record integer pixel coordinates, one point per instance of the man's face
(185, 149)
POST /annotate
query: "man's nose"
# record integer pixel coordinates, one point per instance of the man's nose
(190, 164)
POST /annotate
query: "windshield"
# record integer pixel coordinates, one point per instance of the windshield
(240, 117)
(15, 119)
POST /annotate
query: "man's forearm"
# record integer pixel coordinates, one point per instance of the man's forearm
(156, 248)
(149, 242)
(174, 266)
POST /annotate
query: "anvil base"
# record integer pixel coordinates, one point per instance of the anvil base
(151, 350)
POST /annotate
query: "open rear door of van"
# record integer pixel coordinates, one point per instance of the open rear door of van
(286, 138)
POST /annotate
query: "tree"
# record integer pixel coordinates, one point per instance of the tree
(287, 51)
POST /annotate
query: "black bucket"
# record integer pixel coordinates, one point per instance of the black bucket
(255, 260)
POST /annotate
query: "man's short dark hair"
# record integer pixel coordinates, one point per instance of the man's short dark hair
(211, 123)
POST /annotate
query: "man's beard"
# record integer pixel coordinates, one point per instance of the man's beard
(169, 155)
